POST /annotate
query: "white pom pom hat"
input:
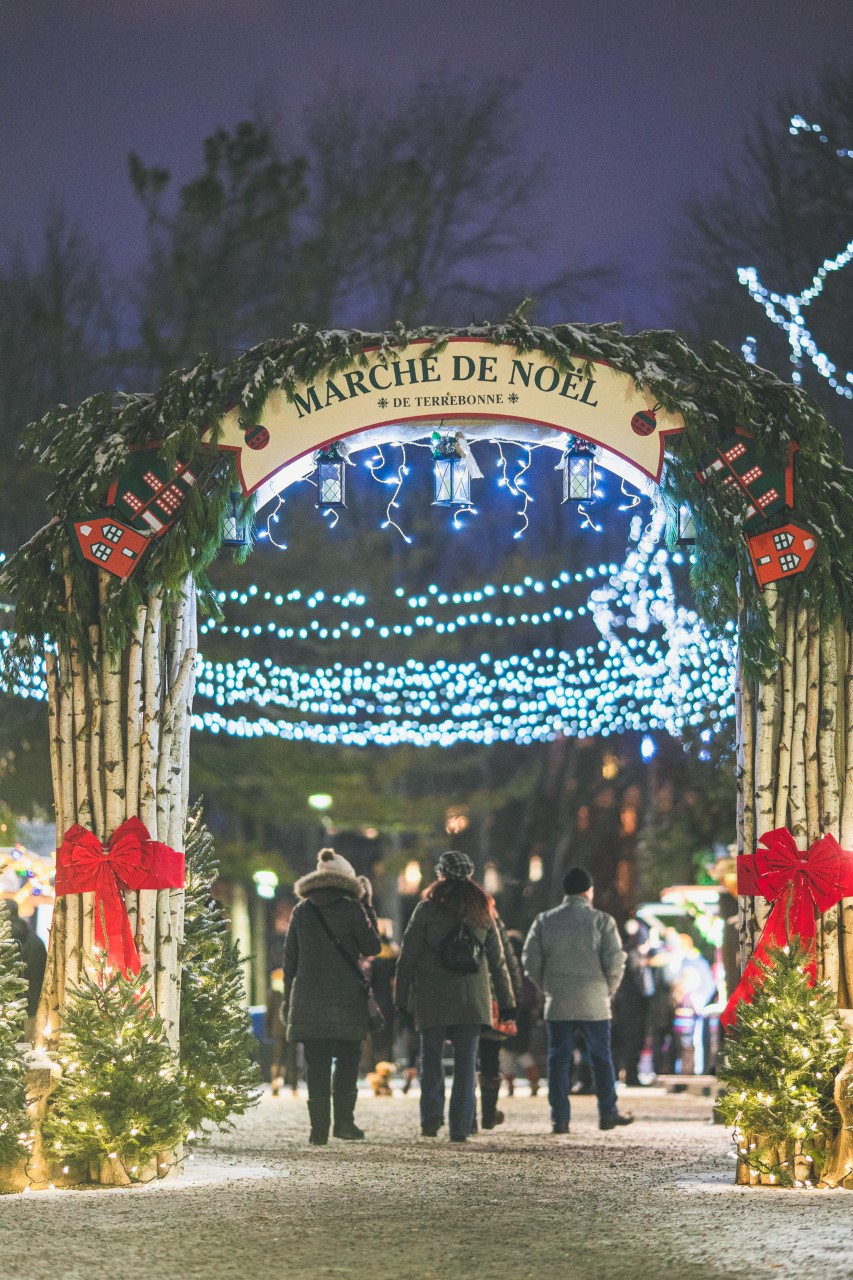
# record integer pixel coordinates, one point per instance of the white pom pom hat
(328, 860)
(333, 872)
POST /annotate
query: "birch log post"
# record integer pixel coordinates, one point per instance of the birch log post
(767, 698)
(119, 720)
(786, 731)
(829, 813)
(745, 800)
(846, 823)
(812, 770)
(797, 788)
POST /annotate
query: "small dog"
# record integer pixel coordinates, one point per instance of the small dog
(380, 1079)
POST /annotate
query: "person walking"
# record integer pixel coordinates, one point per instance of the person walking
(34, 955)
(450, 957)
(631, 1003)
(573, 954)
(495, 1035)
(517, 1053)
(332, 928)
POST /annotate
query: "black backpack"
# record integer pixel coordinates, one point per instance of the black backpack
(461, 951)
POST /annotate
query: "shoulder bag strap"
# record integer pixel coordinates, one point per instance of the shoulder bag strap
(341, 949)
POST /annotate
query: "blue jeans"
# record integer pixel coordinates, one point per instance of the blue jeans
(560, 1045)
(462, 1096)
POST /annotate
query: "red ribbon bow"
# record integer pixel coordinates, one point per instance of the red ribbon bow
(132, 860)
(796, 883)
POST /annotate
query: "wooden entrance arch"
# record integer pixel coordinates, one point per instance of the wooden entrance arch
(119, 651)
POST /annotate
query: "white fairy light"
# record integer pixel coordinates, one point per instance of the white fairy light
(786, 310)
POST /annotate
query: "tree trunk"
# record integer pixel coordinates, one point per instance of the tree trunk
(119, 742)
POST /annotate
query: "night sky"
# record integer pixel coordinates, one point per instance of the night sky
(635, 105)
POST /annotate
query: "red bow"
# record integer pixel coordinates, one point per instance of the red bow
(131, 861)
(796, 883)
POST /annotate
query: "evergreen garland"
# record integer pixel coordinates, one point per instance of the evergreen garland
(780, 1062)
(82, 449)
(221, 1076)
(120, 1096)
(15, 1138)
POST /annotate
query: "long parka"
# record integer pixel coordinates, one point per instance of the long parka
(440, 997)
(322, 995)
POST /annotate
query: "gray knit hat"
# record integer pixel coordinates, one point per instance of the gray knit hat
(454, 866)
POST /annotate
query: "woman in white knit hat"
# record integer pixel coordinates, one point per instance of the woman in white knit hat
(333, 926)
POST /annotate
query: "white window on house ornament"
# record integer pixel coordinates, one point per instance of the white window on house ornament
(101, 551)
(132, 501)
(170, 499)
(111, 532)
(153, 482)
(788, 562)
(765, 499)
(736, 451)
(753, 474)
(781, 541)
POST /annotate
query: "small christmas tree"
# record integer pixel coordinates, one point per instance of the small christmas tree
(14, 1128)
(780, 1062)
(218, 1048)
(120, 1097)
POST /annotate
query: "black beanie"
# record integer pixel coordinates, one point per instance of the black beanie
(576, 880)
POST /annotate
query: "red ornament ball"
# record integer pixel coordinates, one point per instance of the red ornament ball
(257, 437)
(644, 423)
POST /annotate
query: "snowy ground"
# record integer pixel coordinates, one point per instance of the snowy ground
(654, 1200)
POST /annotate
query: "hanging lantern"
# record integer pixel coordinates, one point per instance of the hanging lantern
(331, 479)
(236, 530)
(579, 477)
(452, 479)
(686, 526)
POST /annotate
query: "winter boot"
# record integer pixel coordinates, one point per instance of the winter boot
(489, 1089)
(532, 1073)
(345, 1125)
(509, 1077)
(320, 1111)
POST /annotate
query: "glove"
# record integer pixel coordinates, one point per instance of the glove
(366, 890)
(508, 1014)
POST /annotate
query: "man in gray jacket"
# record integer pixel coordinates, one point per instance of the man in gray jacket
(573, 954)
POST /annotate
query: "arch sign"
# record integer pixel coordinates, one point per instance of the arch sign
(468, 379)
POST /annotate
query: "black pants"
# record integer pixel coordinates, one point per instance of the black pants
(319, 1056)
(490, 1058)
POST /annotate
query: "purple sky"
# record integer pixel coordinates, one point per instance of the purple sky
(635, 102)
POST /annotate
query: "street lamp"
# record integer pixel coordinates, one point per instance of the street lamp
(266, 883)
(321, 801)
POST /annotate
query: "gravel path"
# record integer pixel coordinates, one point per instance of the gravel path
(654, 1200)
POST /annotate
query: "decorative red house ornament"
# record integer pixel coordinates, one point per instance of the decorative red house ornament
(150, 492)
(109, 544)
(780, 553)
(763, 488)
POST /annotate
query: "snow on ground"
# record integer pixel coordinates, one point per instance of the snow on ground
(651, 1201)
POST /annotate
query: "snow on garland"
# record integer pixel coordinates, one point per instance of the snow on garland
(83, 450)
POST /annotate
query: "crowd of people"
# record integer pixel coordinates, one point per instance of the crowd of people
(462, 985)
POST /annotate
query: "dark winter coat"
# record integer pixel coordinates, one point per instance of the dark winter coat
(516, 978)
(322, 995)
(442, 998)
(34, 956)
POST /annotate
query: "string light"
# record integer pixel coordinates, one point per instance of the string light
(786, 310)
(654, 667)
(524, 466)
(375, 465)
